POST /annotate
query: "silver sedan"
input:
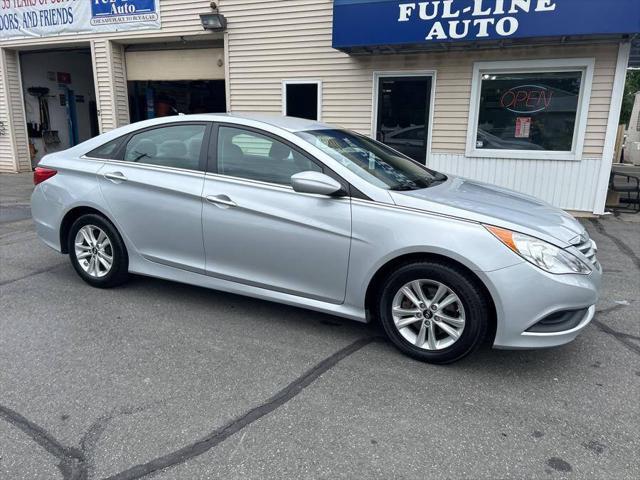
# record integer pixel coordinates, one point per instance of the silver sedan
(319, 217)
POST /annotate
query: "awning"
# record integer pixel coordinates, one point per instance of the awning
(360, 25)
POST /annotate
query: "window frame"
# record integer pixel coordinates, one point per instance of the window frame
(119, 155)
(559, 65)
(294, 81)
(212, 161)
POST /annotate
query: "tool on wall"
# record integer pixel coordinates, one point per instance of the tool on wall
(50, 137)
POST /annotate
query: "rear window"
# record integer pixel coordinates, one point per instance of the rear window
(107, 150)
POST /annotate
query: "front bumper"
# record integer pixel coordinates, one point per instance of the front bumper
(524, 295)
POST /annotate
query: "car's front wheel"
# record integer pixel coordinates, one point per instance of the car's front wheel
(97, 251)
(433, 311)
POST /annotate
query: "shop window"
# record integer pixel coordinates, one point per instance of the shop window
(301, 99)
(246, 154)
(175, 146)
(529, 113)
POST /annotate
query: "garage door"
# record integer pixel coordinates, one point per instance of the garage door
(184, 64)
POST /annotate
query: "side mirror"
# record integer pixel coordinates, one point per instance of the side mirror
(315, 182)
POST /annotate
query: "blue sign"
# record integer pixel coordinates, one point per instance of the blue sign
(45, 18)
(115, 11)
(362, 23)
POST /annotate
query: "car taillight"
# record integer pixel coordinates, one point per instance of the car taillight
(40, 174)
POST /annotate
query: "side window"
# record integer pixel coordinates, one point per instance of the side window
(175, 146)
(107, 150)
(302, 99)
(246, 154)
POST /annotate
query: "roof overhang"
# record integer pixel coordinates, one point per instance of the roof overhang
(369, 26)
(493, 44)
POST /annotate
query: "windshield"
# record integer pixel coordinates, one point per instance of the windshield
(373, 161)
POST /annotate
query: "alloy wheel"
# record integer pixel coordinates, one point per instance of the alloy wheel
(428, 314)
(94, 251)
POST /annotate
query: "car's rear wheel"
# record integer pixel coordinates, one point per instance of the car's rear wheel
(97, 251)
(433, 311)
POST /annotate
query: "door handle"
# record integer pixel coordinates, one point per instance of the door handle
(115, 177)
(221, 200)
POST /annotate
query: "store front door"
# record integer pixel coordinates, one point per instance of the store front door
(403, 111)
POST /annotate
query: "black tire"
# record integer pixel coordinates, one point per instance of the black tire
(119, 271)
(470, 294)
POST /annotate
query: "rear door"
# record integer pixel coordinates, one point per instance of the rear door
(259, 231)
(154, 191)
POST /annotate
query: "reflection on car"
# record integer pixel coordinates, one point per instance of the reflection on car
(410, 141)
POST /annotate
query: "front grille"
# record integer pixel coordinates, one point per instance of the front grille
(588, 248)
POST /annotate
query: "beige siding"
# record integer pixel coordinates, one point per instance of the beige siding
(111, 84)
(270, 41)
(569, 185)
(119, 79)
(103, 84)
(7, 163)
(14, 153)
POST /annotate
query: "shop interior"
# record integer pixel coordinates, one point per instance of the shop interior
(59, 99)
(151, 99)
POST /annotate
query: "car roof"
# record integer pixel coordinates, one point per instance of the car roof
(292, 124)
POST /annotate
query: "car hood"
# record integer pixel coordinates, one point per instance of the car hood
(494, 205)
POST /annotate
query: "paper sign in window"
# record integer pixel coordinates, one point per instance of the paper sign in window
(523, 127)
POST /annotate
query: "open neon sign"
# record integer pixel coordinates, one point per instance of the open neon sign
(527, 99)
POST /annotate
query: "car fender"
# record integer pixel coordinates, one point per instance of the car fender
(383, 233)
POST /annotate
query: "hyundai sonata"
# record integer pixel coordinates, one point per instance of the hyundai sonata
(319, 217)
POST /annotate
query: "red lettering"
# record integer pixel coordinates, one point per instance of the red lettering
(525, 99)
(521, 96)
(534, 95)
(506, 104)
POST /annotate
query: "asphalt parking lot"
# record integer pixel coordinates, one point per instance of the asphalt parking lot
(156, 379)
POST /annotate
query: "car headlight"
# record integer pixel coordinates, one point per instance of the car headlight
(542, 254)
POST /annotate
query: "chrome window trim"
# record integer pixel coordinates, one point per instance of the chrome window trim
(243, 180)
(94, 159)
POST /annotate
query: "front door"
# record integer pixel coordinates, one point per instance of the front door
(403, 114)
(154, 191)
(259, 231)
